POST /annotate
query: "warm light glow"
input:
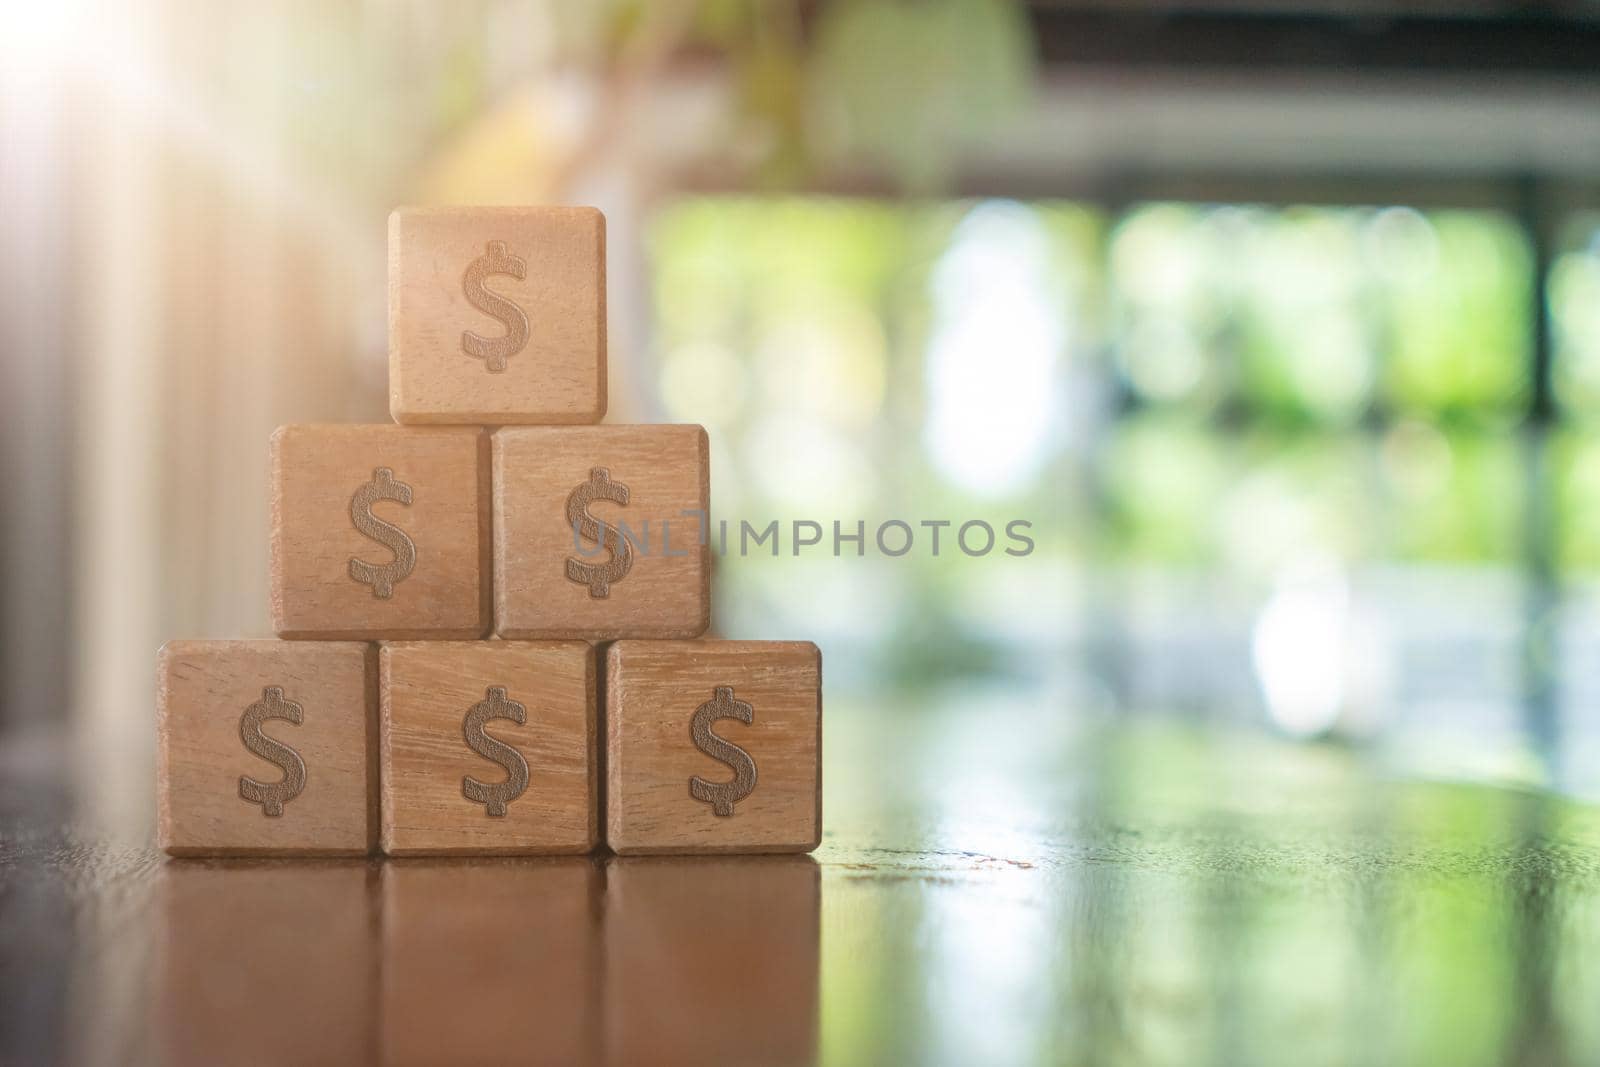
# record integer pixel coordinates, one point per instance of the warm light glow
(34, 37)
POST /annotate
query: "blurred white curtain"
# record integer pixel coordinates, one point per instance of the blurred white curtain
(221, 295)
(35, 382)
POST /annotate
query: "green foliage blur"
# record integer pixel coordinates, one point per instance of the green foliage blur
(1178, 388)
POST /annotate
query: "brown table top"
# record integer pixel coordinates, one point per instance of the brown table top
(1000, 882)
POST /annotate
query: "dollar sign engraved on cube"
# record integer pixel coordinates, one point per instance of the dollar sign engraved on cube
(382, 576)
(497, 794)
(494, 351)
(722, 795)
(598, 576)
(272, 796)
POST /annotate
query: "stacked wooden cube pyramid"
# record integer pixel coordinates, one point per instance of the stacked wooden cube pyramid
(386, 715)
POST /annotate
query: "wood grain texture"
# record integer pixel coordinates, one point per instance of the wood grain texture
(204, 689)
(491, 961)
(558, 372)
(653, 691)
(261, 962)
(712, 959)
(666, 592)
(425, 692)
(317, 470)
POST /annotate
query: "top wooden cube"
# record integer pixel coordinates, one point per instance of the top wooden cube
(497, 315)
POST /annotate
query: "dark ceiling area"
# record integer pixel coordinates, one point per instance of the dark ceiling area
(1535, 38)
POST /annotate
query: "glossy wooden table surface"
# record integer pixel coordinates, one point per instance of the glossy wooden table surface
(1001, 882)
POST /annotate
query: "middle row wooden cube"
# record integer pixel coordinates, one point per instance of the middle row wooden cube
(394, 533)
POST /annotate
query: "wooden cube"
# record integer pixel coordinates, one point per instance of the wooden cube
(266, 747)
(491, 961)
(497, 315)
(713, 746)
(488, 747)
(380, 532)
(239, 942)
(599, 531)
(677, 932)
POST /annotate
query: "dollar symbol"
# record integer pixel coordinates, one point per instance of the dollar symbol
(499, 794)
(494, 351)
(382, 576)
(722, 795)
(598, 577)
(272, 796)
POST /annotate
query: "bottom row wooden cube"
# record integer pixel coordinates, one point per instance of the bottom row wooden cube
(713, 746)
(270, 747)
(266, 746)
(488, 747)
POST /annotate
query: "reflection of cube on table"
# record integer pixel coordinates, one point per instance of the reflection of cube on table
(497, 315)
(491, 961)
(599, 531)
(380, 532)
(678, 927)
(488, 747)
(244, 941)
(713, 746)
(266, 747)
